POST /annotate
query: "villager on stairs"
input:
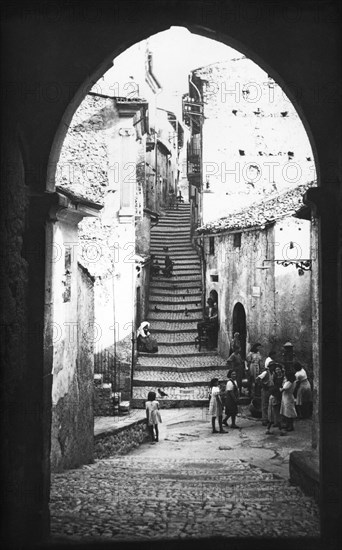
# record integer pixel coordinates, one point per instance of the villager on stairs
(179, 370)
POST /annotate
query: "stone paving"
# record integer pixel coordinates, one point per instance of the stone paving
(192, 484)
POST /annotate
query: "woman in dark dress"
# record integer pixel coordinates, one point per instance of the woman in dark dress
(146, 343)
(231, 399)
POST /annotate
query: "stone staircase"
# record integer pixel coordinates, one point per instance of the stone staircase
(175, 307)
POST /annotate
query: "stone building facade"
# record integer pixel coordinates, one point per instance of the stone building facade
(252, 261)
(107, 156)
(72, 341)
(263, 147)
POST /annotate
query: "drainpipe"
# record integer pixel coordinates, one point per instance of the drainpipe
(200, 251)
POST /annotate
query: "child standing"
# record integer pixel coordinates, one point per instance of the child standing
(215, 405)
(287, 407)
(275, 399)
(232, 397)
(153, 416)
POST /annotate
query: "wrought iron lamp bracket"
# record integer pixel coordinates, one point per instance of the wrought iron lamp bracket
(301, 265)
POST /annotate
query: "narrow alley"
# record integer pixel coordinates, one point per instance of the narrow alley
(175, 306)
(192, 484)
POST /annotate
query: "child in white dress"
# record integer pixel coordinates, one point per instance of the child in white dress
(153, 416)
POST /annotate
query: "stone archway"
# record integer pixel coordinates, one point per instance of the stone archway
(44, 85)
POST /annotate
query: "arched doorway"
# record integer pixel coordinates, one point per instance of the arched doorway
(239, 325)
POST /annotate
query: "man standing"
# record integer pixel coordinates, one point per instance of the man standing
(210, 323)
(266, 380)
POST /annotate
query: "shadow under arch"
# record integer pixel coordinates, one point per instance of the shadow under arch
(239, 326)
(107, 63)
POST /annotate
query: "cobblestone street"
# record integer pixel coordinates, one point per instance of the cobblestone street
(191, 484)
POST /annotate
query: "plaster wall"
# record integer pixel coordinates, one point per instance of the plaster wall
(72, 387)
(237, 277)
(293, 291)
(263, 146)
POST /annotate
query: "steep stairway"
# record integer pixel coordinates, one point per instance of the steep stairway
(175, 307)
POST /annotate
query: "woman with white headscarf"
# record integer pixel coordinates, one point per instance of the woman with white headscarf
(146, 343)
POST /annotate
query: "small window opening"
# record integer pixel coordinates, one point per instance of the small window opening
(237, 240)
(211, 246)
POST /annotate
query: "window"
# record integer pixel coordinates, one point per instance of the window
(211, 246)
(237, 240)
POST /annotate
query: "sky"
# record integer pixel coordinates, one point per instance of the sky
(189, 51)
(176, 52)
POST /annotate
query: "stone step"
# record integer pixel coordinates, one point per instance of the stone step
(172, 249)
(190, 301)
(186, 262)
(171, 283)
(175, 339)
(183, 350)
(197, 362)
(183, 217)
(183, 280)
(174, 316)
(170, 236)
(170, 233)
(180, 273)
(180, 211)
(175, 214)
(166, 378)
(186, 351)
(171, 243)
(175, 393)
(164, 326)
(179, 258)
(181, 254)
(186, 265)
(178, 307)
(176, 294)
(174, 225)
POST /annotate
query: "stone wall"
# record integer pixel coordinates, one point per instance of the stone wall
(85, 367)
(83, 166)
(121, 441)
(72, 390)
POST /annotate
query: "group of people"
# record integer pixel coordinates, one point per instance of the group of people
(285, 392)
(224, 399)
(175, 200)
(281, 387)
